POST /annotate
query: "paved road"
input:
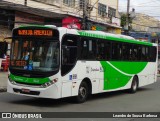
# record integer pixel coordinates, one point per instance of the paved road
(147, 99)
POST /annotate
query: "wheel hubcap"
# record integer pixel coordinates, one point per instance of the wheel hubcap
(82, 92)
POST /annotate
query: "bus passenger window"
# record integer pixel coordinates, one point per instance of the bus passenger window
(88, 49)
(143, 53)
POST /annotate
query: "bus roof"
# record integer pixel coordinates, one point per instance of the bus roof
(114, 37)
(96, 34)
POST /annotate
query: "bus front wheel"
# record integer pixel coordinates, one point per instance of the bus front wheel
(134, 85)
(83, 92)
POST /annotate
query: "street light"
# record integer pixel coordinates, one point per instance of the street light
(132, 14)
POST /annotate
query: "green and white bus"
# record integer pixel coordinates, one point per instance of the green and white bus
(56, 62)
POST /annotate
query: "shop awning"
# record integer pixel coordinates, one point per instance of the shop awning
(8, 39)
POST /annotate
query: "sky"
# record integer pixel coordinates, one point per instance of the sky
(149, 7)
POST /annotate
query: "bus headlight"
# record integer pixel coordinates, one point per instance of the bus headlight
(47, 84)
(12, 81)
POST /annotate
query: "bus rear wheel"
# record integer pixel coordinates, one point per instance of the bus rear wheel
(83, 92)
(134, 85)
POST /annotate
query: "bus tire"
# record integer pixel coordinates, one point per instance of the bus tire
(83, 92)
(134, 85)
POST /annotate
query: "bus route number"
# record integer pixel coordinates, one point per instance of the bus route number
(19, 63)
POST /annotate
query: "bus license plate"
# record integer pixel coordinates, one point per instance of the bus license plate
(26, 90)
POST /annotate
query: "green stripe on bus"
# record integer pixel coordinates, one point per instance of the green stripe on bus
(28, 80)
(118, 74)
(114, 38)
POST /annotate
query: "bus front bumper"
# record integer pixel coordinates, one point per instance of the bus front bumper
(48, 92)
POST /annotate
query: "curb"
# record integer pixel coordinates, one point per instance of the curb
(3, 89)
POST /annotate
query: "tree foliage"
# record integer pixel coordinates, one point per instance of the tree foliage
(123, 21)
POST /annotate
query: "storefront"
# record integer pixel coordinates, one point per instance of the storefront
(72, 22)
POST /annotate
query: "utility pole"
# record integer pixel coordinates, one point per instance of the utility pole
(85, 14)
(127, 17)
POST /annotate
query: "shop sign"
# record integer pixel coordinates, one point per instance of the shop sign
(71, 23)
(116, 21)
(94, 27)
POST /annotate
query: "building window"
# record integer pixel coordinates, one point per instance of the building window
(111, 12)
(102, 9)
(69, 2)
(81, 4)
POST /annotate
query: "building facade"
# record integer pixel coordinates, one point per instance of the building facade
(101, 14)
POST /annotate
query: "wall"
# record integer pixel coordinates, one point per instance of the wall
(59, 7)
(4, 32)
(108, 3)
(25, 18)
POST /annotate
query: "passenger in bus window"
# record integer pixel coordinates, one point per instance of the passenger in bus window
(26, 56)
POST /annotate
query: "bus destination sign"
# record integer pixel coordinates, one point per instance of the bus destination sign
(30, 32)
(19, 63)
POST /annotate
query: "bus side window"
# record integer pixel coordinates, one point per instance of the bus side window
(143, 53)
(103, 50)
(139, 53)
(135, 53)
(116, 51)
(88, 49)
(100, 50)
(152, 54)
(84, 51)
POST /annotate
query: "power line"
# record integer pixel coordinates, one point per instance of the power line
(147, 2)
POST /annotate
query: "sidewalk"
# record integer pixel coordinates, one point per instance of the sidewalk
(3, 81)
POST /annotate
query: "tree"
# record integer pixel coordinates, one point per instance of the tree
(123, 21)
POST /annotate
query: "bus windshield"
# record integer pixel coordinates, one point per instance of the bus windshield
(35, 55)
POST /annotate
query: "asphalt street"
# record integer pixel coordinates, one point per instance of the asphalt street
(147, 99)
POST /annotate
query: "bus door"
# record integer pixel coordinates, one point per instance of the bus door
(68, 62)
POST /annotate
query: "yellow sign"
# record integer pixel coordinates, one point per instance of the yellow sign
(93, 27)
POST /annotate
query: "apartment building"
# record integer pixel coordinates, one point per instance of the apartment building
(101, 14)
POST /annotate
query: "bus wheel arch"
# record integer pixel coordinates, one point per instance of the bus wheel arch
(85, 89)
(88, 81)
(134, 84)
